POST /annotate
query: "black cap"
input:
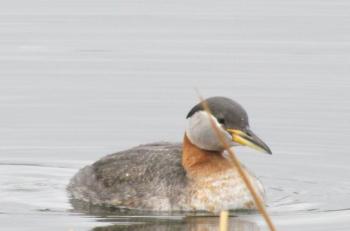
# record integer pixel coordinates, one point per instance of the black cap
(227, 112)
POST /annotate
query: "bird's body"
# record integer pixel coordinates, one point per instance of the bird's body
(153, 177)
(170, 177)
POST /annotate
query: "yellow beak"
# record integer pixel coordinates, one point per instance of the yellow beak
(249, 139)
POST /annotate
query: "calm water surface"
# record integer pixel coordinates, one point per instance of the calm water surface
(81, 79)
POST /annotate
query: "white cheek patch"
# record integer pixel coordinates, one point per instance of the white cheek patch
(200, 132)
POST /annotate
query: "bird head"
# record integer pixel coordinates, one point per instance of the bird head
(230, 117)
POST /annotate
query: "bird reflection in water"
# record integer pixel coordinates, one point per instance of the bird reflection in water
(192, 223)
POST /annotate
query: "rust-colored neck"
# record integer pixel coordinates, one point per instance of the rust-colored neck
(198, 162)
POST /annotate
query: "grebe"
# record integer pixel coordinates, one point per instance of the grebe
(173, 177)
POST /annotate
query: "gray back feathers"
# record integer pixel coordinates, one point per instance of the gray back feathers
(148, 176)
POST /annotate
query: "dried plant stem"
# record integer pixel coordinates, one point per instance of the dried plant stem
(235, 162)
(224, 221)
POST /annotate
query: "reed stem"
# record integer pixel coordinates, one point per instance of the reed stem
(224, 221)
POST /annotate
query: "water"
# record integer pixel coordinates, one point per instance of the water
(81, 79)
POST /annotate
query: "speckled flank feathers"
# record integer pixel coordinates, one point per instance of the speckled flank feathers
(148, 177)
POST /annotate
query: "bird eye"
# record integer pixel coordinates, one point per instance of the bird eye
(221, 120)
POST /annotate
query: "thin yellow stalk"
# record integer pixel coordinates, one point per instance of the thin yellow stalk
(224, 221)
(235, 162)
